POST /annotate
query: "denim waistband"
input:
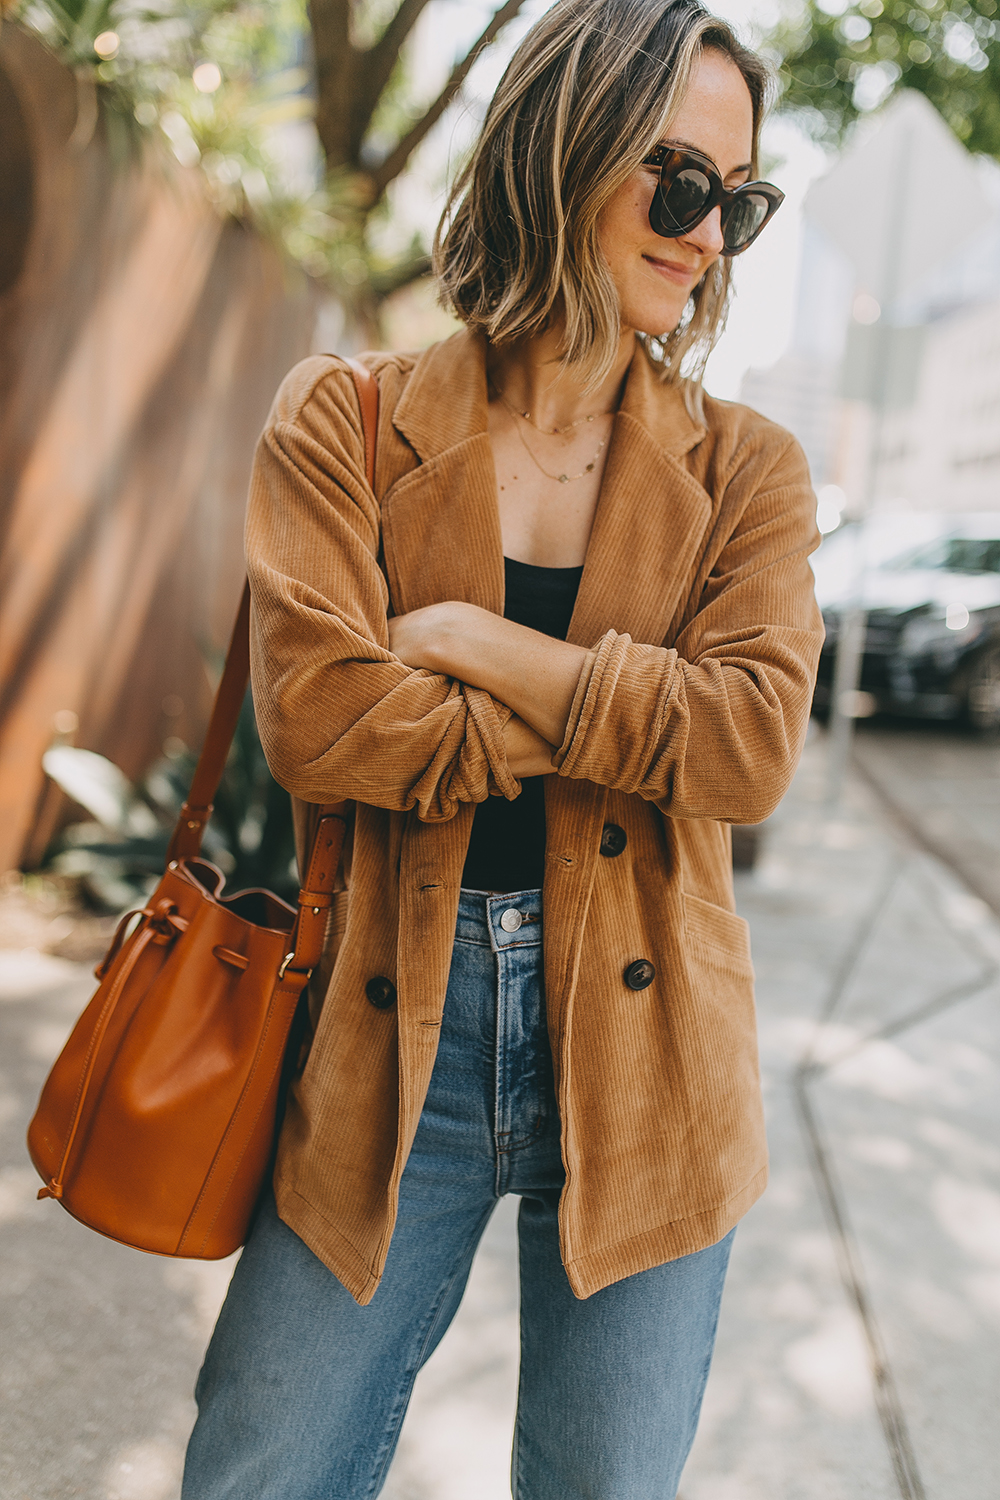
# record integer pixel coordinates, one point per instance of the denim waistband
(510, 920)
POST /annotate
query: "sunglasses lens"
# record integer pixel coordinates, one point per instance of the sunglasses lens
(684, 195)
(744, 217)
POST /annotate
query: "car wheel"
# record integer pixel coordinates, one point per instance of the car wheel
(982, 702)
(746, 845)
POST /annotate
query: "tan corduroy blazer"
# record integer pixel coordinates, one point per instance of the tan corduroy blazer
(697, 605)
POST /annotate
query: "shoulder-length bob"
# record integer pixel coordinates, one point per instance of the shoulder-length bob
(588, 94)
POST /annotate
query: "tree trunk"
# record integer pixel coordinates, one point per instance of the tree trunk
(336, 65)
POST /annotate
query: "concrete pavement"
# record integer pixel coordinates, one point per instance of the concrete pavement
(858, 1353)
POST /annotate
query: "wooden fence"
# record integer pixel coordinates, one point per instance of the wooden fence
(141, 339)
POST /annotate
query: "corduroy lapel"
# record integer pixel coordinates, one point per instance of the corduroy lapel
(651, 519)
(441, 528)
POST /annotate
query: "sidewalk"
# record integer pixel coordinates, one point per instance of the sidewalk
(877, 1246)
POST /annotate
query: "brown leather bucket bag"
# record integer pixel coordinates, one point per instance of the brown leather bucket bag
(156, 1124)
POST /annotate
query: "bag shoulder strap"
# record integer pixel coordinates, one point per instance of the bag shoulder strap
(197, 809)
(367, 388)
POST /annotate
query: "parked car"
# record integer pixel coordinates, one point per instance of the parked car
(932, 643)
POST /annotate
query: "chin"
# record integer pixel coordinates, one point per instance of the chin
(657, 325)
(655, 320)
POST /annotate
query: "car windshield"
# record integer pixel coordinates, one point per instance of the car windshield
(955, 554)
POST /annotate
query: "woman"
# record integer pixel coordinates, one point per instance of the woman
(567, 641)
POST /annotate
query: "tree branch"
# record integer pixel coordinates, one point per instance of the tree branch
(376, 65)
(336, 74)
(400, 275)
(401, 153)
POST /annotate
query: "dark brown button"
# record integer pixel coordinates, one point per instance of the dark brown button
(613, 840)
(381, 992)
(640, 974)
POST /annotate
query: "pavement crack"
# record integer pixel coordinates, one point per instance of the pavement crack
(918, 835)
(887, 1400)
(971, 989)
(886, 1394)
(854, 952)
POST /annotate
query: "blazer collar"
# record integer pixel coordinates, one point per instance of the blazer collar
(441, 526)
(446, 398)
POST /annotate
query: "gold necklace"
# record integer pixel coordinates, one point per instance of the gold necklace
(548, 431)
(562, 478)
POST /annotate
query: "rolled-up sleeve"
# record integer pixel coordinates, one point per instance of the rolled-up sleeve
(713, 726)
(340, 717)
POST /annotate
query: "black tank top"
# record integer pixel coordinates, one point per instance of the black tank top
(507, 848)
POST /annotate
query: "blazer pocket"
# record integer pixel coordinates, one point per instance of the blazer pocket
(726, 935)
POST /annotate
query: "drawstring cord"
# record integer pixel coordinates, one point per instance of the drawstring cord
(160, 924)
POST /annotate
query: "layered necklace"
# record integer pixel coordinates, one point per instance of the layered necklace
(526, 416)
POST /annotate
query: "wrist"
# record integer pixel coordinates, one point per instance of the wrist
(447, 630)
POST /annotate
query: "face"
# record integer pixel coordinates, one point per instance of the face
(655, 277)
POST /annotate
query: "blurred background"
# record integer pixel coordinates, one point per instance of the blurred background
(194, 196)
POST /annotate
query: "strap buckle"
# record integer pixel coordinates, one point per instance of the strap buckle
(306, 974)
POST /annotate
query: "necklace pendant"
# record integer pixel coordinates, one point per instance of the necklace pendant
(590, 468)
(564, 479)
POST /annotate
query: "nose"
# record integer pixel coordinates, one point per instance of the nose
(706, 237)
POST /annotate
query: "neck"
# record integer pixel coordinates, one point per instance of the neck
(531, 376)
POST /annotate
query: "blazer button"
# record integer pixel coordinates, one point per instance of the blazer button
(640, 974)
(613, 840)
(381, 992)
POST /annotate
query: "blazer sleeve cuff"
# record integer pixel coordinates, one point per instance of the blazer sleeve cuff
(489, 718)
(584, 752)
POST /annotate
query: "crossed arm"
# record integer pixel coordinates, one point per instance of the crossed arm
(535, 675)
(413, 712)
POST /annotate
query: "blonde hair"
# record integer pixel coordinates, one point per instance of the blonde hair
(588, 94)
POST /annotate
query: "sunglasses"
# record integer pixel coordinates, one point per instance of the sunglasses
(690, 187)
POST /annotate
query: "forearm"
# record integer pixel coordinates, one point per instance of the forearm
(535, 675)
(528, 754)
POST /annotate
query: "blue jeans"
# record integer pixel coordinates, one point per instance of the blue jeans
(303, 1392)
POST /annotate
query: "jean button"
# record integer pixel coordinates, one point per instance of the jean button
(511, 919)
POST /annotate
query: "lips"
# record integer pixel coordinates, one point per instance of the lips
(673, 271)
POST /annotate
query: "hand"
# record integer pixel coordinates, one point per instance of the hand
(413, 637)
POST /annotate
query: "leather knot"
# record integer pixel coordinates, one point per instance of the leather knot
(165, 920)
